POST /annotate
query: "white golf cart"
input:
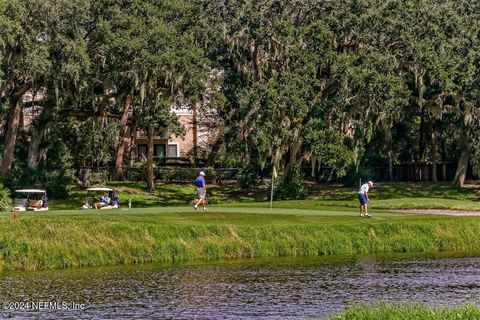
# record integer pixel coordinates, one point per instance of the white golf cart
(31, 200)
(96, 201)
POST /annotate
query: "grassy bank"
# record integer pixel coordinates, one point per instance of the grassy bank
(64, 239)
(393, 312)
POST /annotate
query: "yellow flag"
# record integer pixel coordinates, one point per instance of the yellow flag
(274, 173)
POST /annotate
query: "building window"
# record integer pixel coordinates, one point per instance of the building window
(142, 152)
(159, 150)
(172, 151)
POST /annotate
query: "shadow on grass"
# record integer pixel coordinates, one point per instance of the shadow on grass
(398, 190)
(177, 194)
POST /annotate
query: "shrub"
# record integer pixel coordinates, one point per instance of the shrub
(292, 187)
(137, 172)
(353, 177)
(247, 176)
(211, 175)
(5, 200)
(95, 178)
(168, 174)
(58, 174)
(56, 177)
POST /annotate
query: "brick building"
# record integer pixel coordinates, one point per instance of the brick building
(169, 145)
(197, 134)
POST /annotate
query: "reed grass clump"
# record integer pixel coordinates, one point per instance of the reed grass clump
(409, 312)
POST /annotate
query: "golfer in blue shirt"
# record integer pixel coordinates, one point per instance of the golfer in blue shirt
(201, 189)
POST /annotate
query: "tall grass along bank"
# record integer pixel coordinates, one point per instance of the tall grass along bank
(60, 241)
(414, 312)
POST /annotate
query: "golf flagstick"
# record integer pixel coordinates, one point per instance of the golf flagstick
(274, 175)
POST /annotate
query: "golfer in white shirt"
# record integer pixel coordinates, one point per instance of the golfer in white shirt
(363, 198)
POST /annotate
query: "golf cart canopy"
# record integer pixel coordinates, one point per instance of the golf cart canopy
(30, 191)
(30, 200)
(107, 202)
(99, 189)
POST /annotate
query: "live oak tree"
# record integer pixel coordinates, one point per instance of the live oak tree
(389, 64)
(118, 37)
(63, 34)
(169, 64)
(24, 62)
(434, 44)
(276, 59)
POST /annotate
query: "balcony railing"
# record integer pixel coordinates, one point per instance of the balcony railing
(142, 134)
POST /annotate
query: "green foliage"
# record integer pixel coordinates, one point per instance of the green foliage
(55, 176)
(5, 200)
(372, 66)
(330, 82)
(20, 177)
(211, 175)
(167, 174)
(137, 171)
(353, 176)
(328, 146)
(100, 178)
(292, 187)
(408, 312)
(247, 176)
(94, 141)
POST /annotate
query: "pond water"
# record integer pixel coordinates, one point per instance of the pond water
(266, 289)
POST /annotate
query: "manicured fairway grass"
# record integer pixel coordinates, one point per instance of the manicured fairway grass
(164, 195)
(414, 312)
(74, 238)
(389, 196)
(382, 196)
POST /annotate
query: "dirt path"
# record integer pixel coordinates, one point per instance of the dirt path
(446, 212)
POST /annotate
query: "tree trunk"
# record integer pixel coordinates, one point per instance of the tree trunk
(126, 102)
(214, 150)
(133, 141)
(433, 155)
(38, 135)
(390, 159)
(422, 146)
(462, 167)
(424, 172)
(150, 182)
(33, 156)
(13, 120)
(195, 132)
(421, 140)
(292, 160)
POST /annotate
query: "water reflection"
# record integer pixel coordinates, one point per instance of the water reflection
(286, 288)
